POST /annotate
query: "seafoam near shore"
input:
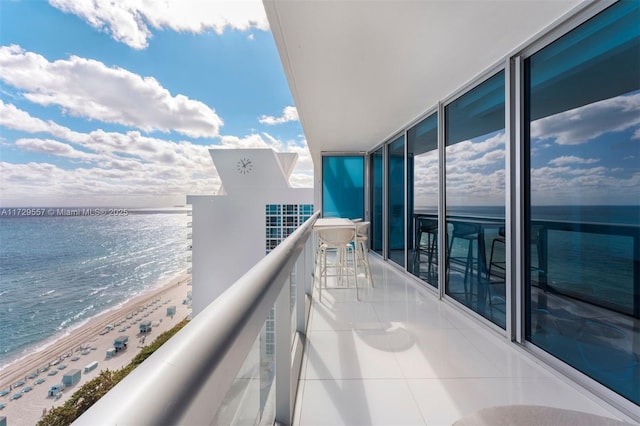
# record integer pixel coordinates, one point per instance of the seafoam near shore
(90, 343)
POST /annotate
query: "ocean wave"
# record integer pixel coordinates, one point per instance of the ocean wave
(75, 317)
(98, 290)
(144, 265)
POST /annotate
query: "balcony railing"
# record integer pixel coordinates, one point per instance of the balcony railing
(193, 377)
(565, 258)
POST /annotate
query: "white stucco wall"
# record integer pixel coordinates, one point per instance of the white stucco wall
(229, 230)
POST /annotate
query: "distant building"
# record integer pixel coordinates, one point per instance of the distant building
(254, 210)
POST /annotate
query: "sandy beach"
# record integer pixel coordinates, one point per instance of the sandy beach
(85, 345)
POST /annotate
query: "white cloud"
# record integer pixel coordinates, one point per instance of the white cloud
(49, 185)
(17, 119)
(127, 169)
(289, 113)
(129, 21)
(590, 121)
(571, 159)
(250, 141)
(302, 175)
(124, 169)
(49, 146)
(89, 89)
(14, 118)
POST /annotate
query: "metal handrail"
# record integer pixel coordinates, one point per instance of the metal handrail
(186, 380)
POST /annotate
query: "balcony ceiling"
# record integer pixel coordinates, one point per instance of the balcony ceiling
(361, 70)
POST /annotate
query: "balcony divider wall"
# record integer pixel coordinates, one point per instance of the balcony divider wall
(541, 150)
(343, 185)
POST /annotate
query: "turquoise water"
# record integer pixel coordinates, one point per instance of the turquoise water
(58, 272)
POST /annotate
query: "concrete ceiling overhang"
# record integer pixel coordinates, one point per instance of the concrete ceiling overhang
(359, 71)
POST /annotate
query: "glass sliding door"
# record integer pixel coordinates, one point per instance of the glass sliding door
(422, 218)
(376, 199)
(582, 230)
(343, 186)
(475, 199)
(395, 197)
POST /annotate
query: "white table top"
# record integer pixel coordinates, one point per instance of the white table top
(333, 222)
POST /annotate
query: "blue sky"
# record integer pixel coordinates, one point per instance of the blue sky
(116, 104)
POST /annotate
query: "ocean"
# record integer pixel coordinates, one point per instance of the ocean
(58, 271)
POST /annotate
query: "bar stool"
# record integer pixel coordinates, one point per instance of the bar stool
(469, 232)
(428, 227)
(339, 240)
(362, 249)
(501, 265)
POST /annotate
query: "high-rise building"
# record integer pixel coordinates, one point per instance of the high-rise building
(254, 210)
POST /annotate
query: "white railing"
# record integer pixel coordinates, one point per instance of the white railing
(186, 381)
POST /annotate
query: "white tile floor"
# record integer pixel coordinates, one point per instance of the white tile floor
(401, 357)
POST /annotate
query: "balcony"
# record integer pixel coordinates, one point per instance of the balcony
(397, 356)
(401, 356)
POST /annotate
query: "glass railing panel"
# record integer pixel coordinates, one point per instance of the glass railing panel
(249, 400)
(293, 286)
(423, 255)
(476, 265)
(583, 298)
(595, 268)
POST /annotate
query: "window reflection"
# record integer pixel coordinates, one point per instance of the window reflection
(422, 221)
(376, 201)
(475, 197)
(583, 296)
(396, 211)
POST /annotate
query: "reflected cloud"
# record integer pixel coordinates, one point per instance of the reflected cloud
(590, 121)
(572, 159)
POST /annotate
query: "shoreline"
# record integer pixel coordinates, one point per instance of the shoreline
(43, 345)
(87, 343)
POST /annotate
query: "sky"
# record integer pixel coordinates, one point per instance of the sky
(116, 103)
